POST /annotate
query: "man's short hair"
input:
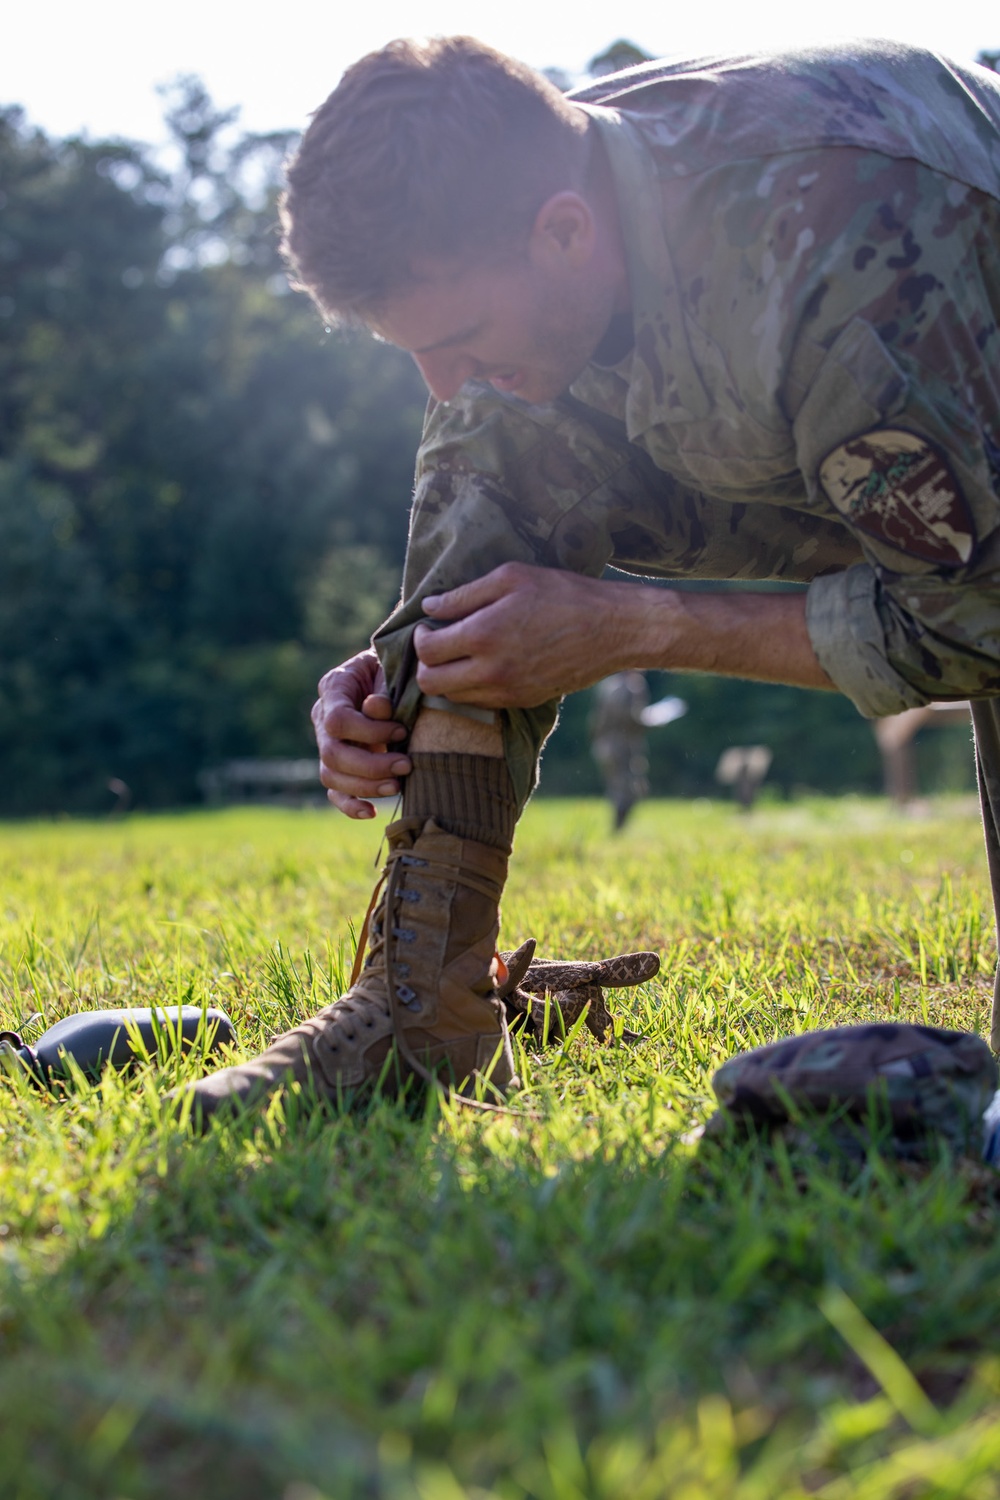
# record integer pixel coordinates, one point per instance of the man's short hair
(430, 149)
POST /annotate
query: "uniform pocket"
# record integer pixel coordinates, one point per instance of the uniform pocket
(886, 448)
(858, 386)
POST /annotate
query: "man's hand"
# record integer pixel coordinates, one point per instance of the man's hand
(354, 731)
(523, 635)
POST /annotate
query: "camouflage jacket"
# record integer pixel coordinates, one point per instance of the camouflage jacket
(813, 387)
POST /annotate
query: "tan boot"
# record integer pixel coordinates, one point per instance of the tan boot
(425, 1003)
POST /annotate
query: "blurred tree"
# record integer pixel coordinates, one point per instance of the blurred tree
(620, 54)
(182, 450)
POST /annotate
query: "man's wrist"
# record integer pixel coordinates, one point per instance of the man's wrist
(642, 627)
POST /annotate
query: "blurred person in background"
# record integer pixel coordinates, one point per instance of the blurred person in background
(618, 740)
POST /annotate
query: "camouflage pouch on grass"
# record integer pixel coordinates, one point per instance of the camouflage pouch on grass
(902, 1086)
(570, 987)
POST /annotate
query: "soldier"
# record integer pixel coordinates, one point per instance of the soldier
(725, 320)
(618, 740)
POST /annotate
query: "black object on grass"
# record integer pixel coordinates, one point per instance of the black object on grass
(96, 1039)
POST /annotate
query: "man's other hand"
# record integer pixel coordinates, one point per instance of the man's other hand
(522, 635)
(355, 732)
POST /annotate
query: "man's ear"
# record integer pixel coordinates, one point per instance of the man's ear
(564, 230)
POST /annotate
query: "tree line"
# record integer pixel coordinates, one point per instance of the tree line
(204, 494)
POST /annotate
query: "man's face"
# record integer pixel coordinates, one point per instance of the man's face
(519, 324)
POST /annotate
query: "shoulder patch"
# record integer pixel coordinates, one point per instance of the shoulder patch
(898, 488)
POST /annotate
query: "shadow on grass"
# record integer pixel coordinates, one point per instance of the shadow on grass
(430, 1304)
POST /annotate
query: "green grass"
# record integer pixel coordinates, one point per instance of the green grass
(576, 1303)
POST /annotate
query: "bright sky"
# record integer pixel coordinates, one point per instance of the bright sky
(94, 66)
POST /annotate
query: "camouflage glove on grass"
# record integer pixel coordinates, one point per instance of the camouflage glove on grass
(905, 1085)
(570, 987)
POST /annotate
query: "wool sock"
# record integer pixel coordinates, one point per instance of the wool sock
(471, 796)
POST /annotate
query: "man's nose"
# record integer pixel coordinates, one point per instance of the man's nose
(444, 372)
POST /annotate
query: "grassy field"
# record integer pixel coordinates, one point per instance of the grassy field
(581, 1303)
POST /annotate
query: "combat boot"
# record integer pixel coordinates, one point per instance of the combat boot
(425, 1003)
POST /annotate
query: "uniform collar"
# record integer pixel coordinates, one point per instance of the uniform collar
(664, 383)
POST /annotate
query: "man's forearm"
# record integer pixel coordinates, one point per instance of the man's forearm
(522, 636)
(758, 636)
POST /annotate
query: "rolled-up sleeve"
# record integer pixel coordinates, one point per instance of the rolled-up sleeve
(895, 640)
(911, 470)
(847, 635)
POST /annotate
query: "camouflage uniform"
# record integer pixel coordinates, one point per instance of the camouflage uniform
(812, 391)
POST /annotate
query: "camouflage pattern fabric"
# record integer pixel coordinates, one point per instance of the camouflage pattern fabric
(570, 987)
(501, 481)
(814, 254)
(562, 486)
(812, 391)
(920, 1084)
(832, 344)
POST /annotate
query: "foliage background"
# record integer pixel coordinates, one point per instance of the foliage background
(203, 494)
